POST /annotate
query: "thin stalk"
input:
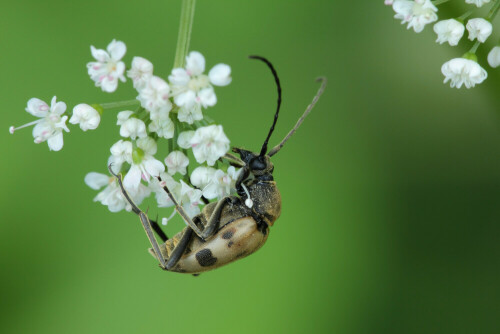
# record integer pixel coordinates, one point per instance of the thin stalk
(119, 104)
(493, 11)
(465, 15)
(474, 47)
(439, 2)
(185, 26)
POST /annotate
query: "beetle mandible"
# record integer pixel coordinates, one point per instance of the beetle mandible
(235, 226)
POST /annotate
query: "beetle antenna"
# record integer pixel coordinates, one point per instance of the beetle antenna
(321, 89)
(264, 146)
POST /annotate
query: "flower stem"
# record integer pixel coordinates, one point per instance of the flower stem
(464, 16)
(493, 11)
(439, 2)
(119, 104)
(473, 49)
(185, 26)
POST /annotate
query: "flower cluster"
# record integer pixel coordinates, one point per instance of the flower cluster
(465, 70)
(168, 110)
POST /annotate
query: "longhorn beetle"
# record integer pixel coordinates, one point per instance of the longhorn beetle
(233, 227)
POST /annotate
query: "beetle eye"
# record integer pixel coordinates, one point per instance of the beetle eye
(257, 164)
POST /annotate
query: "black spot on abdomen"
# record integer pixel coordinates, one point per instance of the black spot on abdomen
(205, 258)
(227, 235)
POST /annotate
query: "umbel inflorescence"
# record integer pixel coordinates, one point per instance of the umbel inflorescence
(170, 112)
(464, 70)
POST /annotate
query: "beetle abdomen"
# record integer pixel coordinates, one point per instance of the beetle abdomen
(233, 241)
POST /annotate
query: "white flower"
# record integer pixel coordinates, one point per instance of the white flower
(190, 86)
(163, 127)
(141, 72)
(112, 195)
(221, 184)
(209, 143)
(123, 116)
(494, 57)
(121, 152)
(86, 116)
(190, 114)
(450, 31)
(461, 71)
(190, 199)
(416, 13)
(176, 161)
(50, 125)
(478, 3)
(108, 68)
(133, 128)
(388, 2)
(479, 28)
(220, 75)
(155, 95)
(144, 165)
(201, 176)
(184, 140)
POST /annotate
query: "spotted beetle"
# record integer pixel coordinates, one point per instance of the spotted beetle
(235, 226)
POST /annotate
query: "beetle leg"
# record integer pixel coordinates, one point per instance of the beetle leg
(179, 249)
(144, 221)
(234, 160)
(243, 176)
(180, 210)
(158, 230)
(213, 221)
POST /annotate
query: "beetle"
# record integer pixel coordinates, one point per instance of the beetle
(235, 226)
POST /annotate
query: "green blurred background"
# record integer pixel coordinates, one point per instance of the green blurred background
(391, 187)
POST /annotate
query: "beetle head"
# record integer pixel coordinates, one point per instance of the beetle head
(257, 164)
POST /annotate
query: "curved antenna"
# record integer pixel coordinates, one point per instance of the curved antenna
(264, 146)
(321, 89)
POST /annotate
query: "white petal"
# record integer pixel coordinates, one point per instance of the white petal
(154, 167)
(86, 116)
(37, 107)
(176, 161)
(190, 114)
(201, 176)
(96, 180)
(116, 49)
(195, 63)
(123, 116)
(56, 141)
(220, 75)
(207, 97)
(62, 124)
(148, 145)
(133, 128)
(133, 178)
(109, 85)
(179, 77)
(42, 131)
(185, 99)
(99, 54)
(184, 140)
(494, 57)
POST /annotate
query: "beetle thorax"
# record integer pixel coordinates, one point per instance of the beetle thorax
(266, 200)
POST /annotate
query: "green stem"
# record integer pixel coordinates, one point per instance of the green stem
(119, 104)
(185, 26)
(439, 2)
(493, 11)
(473, 49)
(464, 16)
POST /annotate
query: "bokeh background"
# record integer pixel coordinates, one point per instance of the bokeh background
(391, 188)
